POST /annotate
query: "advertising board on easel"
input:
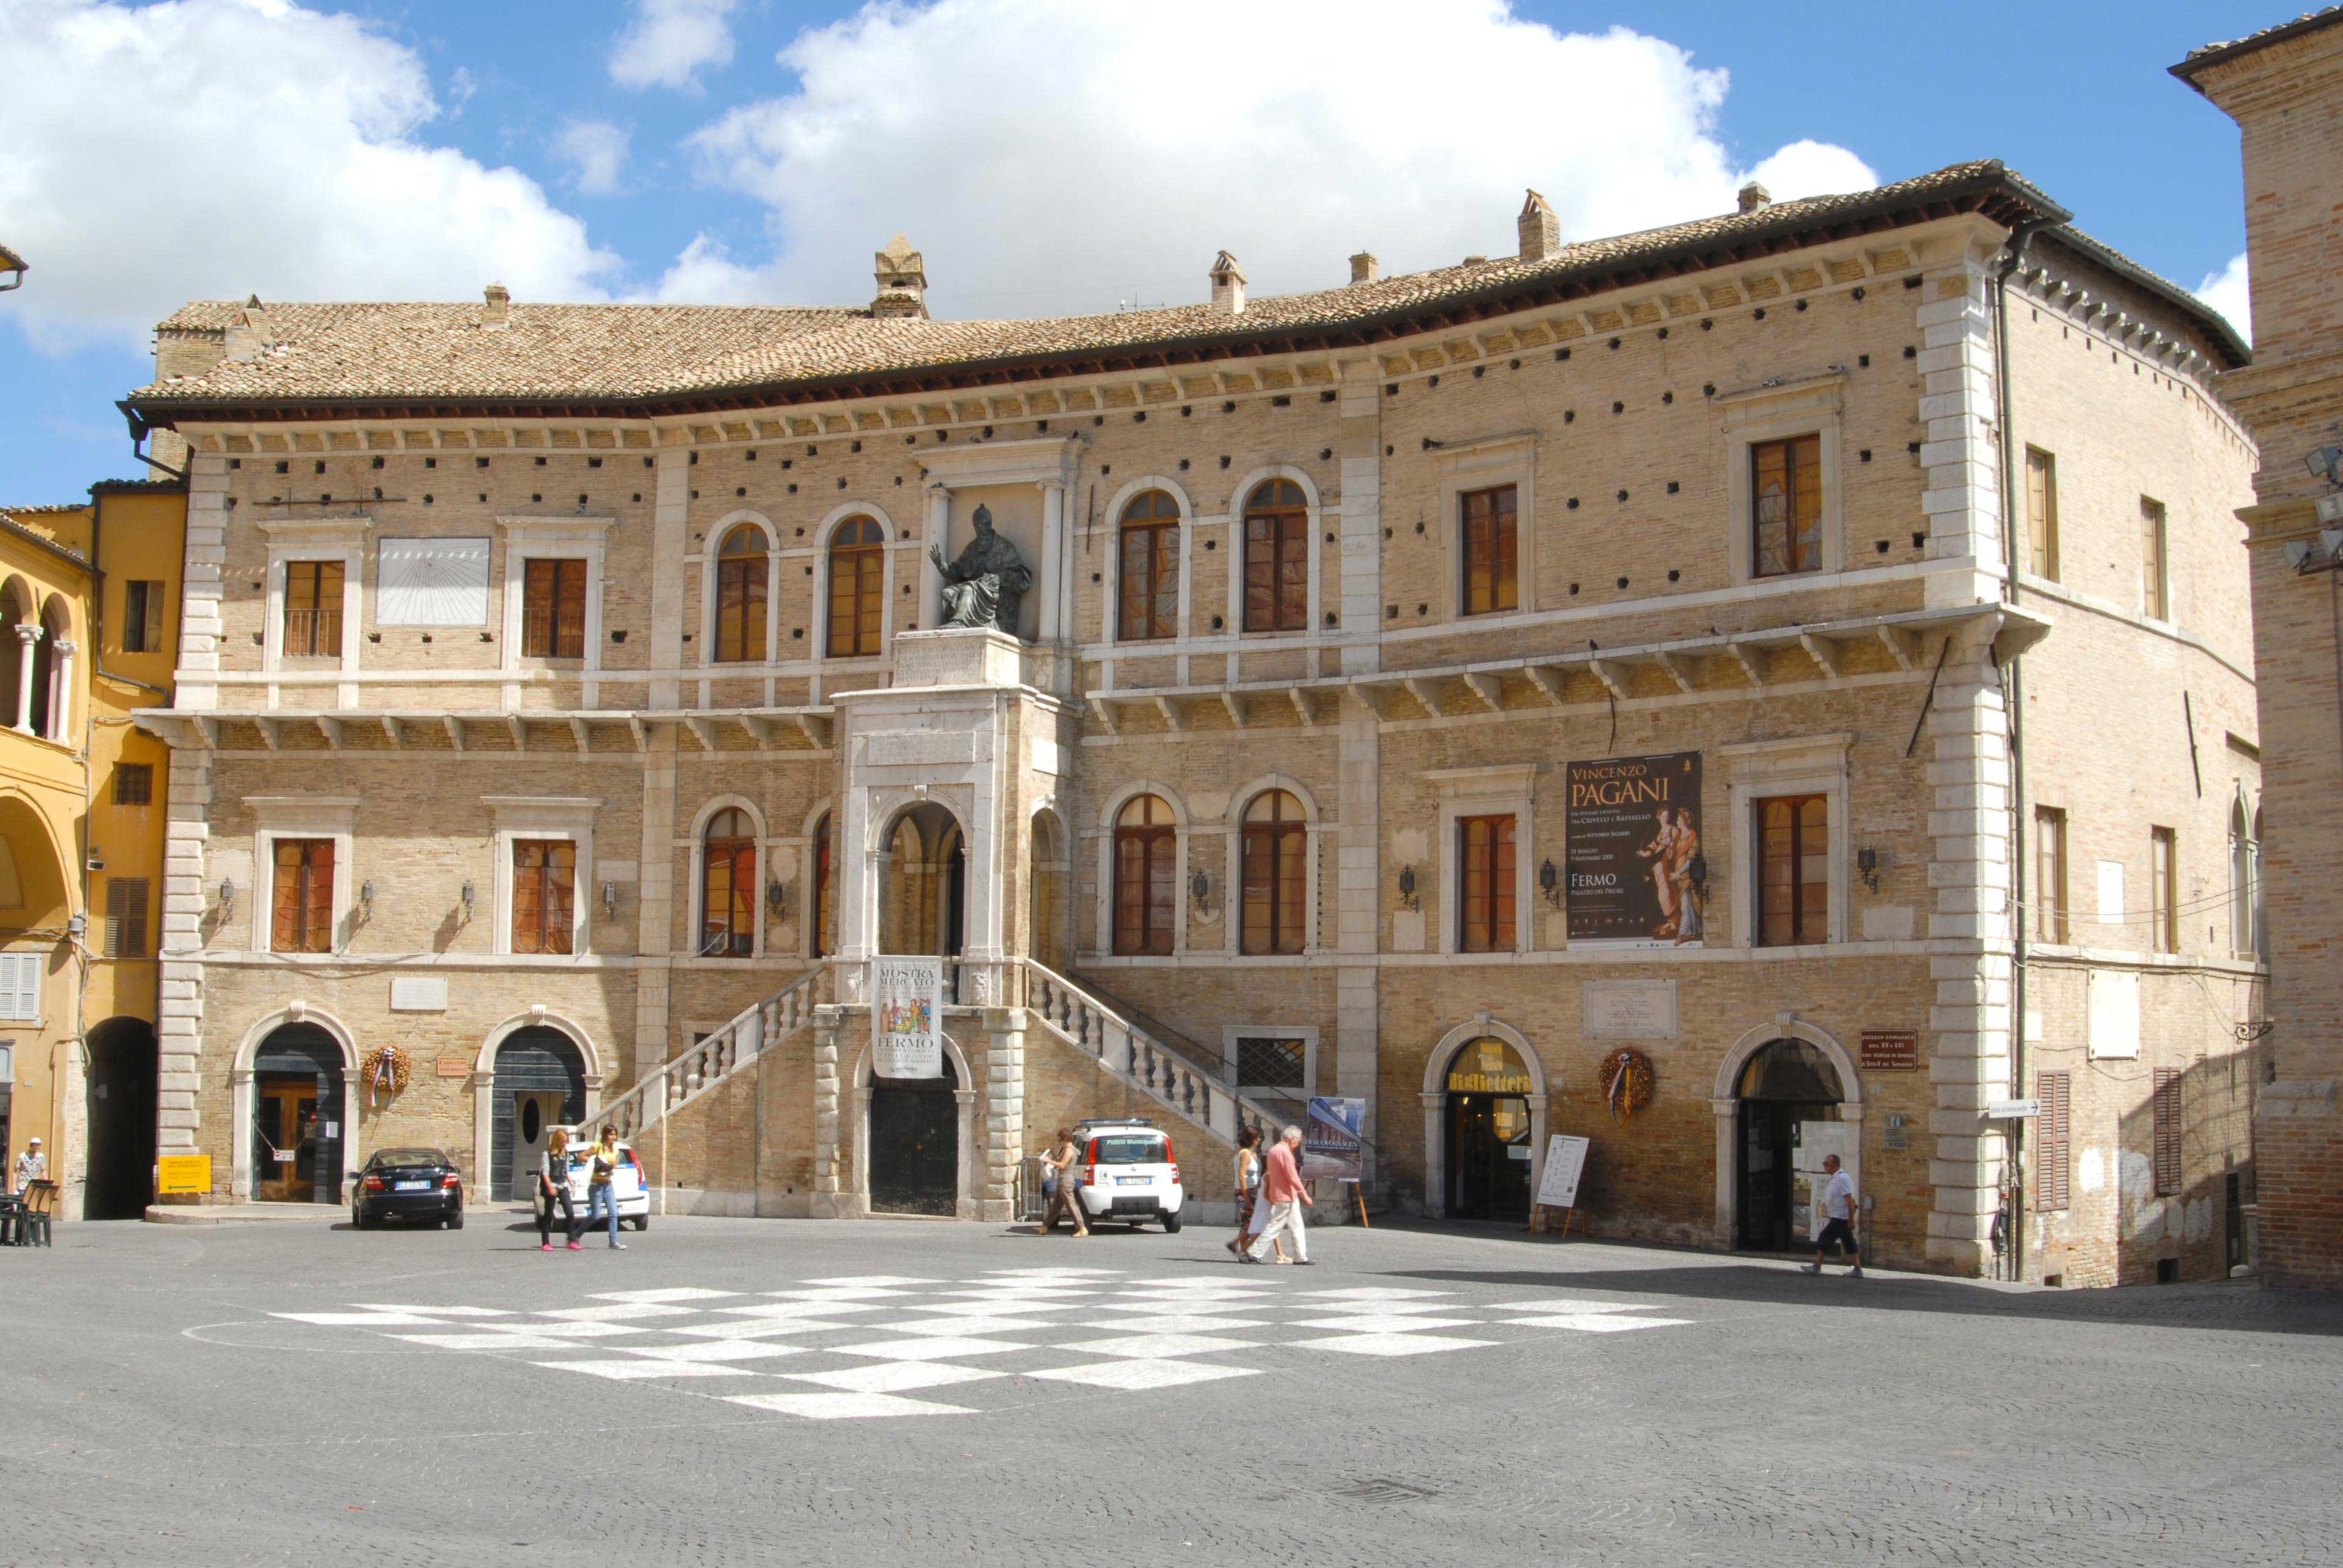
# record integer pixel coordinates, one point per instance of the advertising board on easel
(1565, 1167)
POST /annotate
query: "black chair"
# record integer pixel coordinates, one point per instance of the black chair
(40, 1209)
(12, 1218)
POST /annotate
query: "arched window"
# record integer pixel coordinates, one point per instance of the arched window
(2243, 893)
(1276, 557)
(727, 886)
(819, 945)
(741, 597)
(2261, 900)
(1276, 851)
(858, 590)
(1146, 888)
(1150, 569)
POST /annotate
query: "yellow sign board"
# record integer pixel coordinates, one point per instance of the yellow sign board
(181, 1173)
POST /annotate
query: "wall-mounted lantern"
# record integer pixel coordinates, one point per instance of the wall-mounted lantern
(1407, 899)
(1550, 884)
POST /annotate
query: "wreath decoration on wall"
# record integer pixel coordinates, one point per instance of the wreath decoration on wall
(1628, 1083)
(386, 1068)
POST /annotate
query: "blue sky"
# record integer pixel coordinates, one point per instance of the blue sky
(1047, 157)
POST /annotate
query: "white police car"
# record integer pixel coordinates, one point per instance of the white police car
(1128, 1173)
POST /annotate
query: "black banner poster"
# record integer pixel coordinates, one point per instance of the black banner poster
(1637, 871)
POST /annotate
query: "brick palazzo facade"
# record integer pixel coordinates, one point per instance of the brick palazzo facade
(2284, 86)
(561, 700)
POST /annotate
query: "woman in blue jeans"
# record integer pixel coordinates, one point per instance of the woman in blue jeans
(602, 1197)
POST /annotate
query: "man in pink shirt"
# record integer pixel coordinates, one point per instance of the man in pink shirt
(1282, 1190)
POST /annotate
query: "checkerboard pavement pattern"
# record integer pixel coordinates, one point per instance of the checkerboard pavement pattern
(897, 1345)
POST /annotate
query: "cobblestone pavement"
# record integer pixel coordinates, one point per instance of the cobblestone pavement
(739, 1392)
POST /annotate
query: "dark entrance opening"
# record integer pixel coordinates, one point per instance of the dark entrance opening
(1488, 1133)
(122, 1066)
(915, 1144)
(1788, 1084)
(923, 889)
(540, 1084)
(297, 1117)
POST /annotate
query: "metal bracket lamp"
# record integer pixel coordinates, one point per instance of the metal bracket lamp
(1550, 884)
(1407, 899)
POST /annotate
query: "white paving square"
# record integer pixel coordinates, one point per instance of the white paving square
(841, 1293)
(1182, 1323)
(1376, 1293)
(965, 1326)
(433, 1311)
(632, 1369)
(760, 1328)
(568, 1330)
(845, 1406)
(1020, 1304)
(1157, 1346)
(717, 1351)
(1596, 1322)
(1143, 1373)
(482, 1341)
(616, 1312)
(381, 1319)
(673, 1295)
(780, 1311)
(896, 1377)
(1566, 1305)
(1391, 1345)
(876, 1280)
(1384, 1323)
(942, 1348)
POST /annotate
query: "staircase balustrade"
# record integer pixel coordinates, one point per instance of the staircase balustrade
(707, 1063)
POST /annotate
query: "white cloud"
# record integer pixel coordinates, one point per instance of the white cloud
(2226, 292)
(670, 42)
(1293, 134)
(595, 152)
(206, 149)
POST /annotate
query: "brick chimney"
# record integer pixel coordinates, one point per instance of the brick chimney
(1540, 228)
(903, 274)
(1365, 268)
(1753, 196)
(496, 301)
(1228, 286)
(247, 332)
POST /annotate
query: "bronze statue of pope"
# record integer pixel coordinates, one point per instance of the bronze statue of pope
(989, 581)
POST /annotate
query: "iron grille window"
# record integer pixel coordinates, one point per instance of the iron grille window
(2167, 1131)
(1793, 870)
(1149, 573)
(1277, 559)
(1492, 552)
(544, 895)
(553, 608)
(2054, 1154)
(126, 917)
(134, 784)
(313, 609)
(858, 588)
(1786, 498)
(1484, 884)
(1272, 1064)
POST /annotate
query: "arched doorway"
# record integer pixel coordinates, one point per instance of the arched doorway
(540, 1084)
(121, 1088)
(923, 887)
(1787, 1090)
(1488, 1131)
(914, 1144)
(297, 1129)
(1050, 891)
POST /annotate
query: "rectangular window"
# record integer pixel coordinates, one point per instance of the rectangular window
(2041, 511)
(1277, 570)
(313, 609)
(1793, 870)
(2167, 1131)
(553, 608)
(1785, 500)
(2163, 917)
(126, 917)
(2054, 1134)
(1146, 894)
(2155, 562)
(1274, 859)
(20, 986)
(819, 946)
(544, 895)
(142, 617)
(134, 784)
(1272, 1064)
(1484, 884)
(2049, 874)
(1491, 551)
(1149, 577)
(301, 902)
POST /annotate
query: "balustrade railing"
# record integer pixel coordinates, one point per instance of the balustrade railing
(708, 1063)
(1197, 1091)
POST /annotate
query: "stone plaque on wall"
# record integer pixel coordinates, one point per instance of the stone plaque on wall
(418, 993)
(1628, 1009)
(1890, 1049)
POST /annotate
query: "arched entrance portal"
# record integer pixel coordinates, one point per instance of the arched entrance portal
(923, 886)
(1050, 891)
(540, 1084)
(1489, 1145)
(296, 1116)
(1788, 1119)
(914, 1144)
(122, 1065)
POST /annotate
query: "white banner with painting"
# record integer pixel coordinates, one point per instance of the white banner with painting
(906, 1017)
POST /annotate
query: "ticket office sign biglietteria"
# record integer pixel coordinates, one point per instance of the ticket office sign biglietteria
(1632, 842)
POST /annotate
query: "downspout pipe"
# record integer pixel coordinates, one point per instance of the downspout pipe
(2012, 254)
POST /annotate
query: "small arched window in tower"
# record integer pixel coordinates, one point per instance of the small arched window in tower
(857, 589)
(1150, 569)
(1146, 876)
(727, 886)
(824, 937)
(2245, 894)
(740, 581)
(1276, 557)
(1276, 851)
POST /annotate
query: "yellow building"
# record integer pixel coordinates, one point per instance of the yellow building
(87, 620)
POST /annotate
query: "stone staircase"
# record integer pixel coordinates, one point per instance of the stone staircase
(708, 1064)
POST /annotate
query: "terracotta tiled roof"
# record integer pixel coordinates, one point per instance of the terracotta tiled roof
(648, 355)
(2212, 53)
(10, 261)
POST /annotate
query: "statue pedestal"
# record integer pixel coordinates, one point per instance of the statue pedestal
(959, 656)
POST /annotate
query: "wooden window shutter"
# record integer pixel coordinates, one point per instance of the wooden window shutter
(2054, 1159)
(126, 917)
(151, 628)
(2167, 1131)
(285, 899)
